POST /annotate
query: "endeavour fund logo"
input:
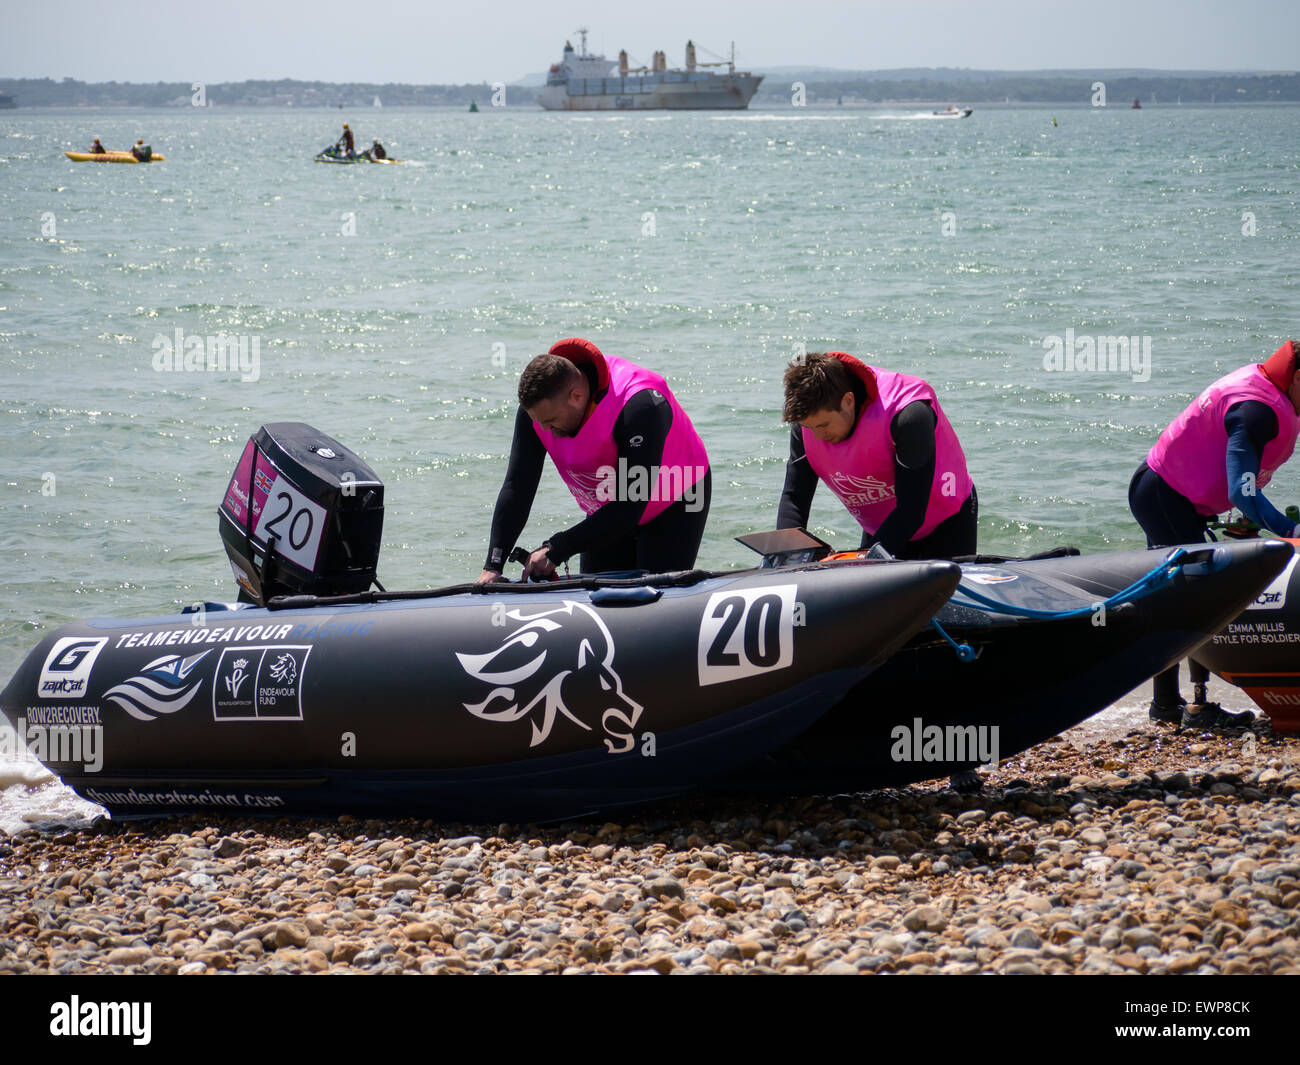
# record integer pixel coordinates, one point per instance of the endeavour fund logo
(67, 667)
(958, 744)
(260, 683)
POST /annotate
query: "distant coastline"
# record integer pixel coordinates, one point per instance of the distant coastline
(1056, 88)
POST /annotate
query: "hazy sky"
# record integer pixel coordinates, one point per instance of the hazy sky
(431, 41)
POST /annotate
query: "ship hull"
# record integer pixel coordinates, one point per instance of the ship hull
(725, 92)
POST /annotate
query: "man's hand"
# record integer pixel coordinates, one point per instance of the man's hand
(489, 576)
(540, 567)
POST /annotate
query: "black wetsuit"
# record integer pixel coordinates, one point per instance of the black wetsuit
(1168, 517)
(912, 431)
(611, 538)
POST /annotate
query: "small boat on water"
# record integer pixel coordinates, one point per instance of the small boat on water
(113, 155)
(521, 701)
(334, 154)
(954, 112)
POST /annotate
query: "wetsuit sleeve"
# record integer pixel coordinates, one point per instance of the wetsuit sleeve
(515, 500)
(640, 434)
(913, 433)
(1250, 426)
(800, 484)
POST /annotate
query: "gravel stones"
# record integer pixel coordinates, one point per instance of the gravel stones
(1148, 854)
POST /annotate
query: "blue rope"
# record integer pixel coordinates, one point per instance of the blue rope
(1143, 586)
(965, 652)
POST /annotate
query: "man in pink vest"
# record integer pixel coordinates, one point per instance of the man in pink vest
(881, 442)
(1217, 455)
(626, 451)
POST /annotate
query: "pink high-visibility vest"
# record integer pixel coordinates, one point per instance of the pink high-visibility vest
(589, 461)
(1191, 454)
(860, 469)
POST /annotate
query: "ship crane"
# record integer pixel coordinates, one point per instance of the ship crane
(730, 64)
(624, 69)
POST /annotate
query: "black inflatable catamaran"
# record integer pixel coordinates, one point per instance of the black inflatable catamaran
(512, 700)
(1024, 650)
(529, 701)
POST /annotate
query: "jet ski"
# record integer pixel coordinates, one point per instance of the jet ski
(334, 154)
(322, 692)
(1024, 650)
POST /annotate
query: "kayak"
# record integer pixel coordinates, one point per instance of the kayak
(1043, 648)
(112, 156)
(1259, 652)
(522, 701)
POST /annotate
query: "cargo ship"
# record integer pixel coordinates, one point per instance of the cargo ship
(584, 82)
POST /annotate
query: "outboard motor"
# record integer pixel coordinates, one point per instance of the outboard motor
(302, 515)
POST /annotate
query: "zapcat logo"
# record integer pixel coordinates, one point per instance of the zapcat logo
(859, 491)
(584, 487)
(67, 667)
(1274, 596)
(558, 662)
(162, 687)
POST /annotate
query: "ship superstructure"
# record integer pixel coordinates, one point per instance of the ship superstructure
(584, 82)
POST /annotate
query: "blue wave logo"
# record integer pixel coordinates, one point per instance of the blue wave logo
(162, 687)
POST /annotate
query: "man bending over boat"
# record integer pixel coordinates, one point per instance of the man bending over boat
(883, 445)
(626, 451)
(1217, 455)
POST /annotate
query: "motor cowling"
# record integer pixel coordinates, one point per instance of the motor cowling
(303, 514)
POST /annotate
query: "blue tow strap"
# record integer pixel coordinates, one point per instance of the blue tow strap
(1143, 586)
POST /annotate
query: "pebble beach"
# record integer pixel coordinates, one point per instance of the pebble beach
(1160, 851)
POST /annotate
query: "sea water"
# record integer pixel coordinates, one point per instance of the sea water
(1066, 289)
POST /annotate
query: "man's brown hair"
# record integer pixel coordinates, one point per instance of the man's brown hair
(545, 378)
(813, 383)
